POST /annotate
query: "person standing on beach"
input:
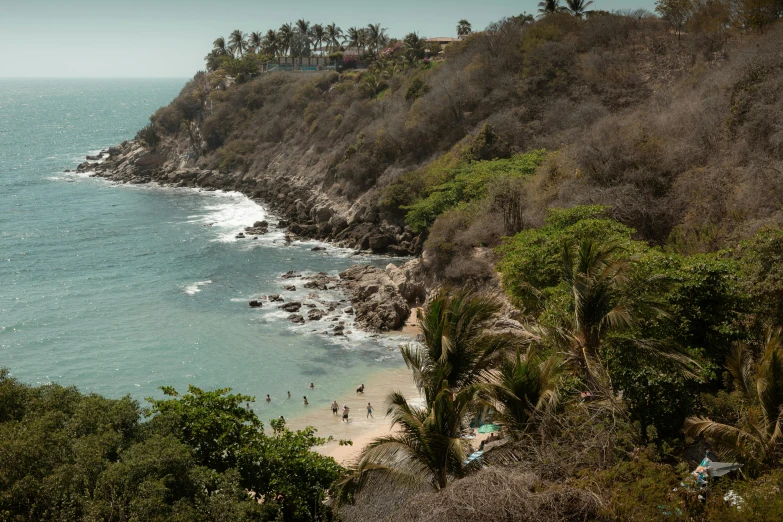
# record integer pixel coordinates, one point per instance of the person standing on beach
(335, 407)
(369, 410)
(346, 409)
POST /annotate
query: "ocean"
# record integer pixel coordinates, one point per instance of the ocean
(120, 289)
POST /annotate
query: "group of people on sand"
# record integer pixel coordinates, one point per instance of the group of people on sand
(347, 410)
(335, 406)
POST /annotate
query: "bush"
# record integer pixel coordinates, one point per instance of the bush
(148, 135)
(416, 88)
(468, 183)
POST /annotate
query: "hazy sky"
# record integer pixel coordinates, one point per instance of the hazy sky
(169, 38)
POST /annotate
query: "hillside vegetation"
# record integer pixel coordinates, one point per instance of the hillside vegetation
(678, 134)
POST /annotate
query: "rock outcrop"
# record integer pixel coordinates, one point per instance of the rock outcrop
(379, 295)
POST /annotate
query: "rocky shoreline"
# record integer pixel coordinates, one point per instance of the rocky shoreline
(376, 300)
(304, 210)
(380, 299)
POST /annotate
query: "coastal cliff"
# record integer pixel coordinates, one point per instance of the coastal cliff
(306, 211)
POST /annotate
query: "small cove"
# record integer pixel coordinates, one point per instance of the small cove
(123, 289)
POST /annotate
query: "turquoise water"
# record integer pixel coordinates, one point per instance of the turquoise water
(122, 289)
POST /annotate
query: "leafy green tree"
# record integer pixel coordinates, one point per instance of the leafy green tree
(216, 424)
(676, 12)
(761, 264)
(757, 436)
(226, 434)
(284, 465)
(464, 28)
(600, 301)
(531, 261)
(66, 456)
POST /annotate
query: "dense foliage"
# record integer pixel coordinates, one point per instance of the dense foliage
(69, 456)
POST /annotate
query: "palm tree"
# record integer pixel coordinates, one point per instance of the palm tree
(602, 302)
(272, 43)
(546, 7)
(255, 41)
(519, 387)
(213, 60)
(578, 8)
(236, 43)
(375, 36)
(464, 28)
(414, 47)
(457, 345)
(304, 41)
(524, 18)
(219, 46)
(284, 36)
(353, 37)
(334, 36)
(319, 34)
(758, 435)
(427, 447)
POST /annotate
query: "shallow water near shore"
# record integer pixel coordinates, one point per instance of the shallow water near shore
(123, 289)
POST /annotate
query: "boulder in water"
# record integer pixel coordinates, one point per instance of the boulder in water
(296, 319)
(293, 306)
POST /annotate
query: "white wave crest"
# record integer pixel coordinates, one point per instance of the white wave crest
(195, 288)
(229, 213)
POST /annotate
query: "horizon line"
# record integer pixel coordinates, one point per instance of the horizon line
(94, 77)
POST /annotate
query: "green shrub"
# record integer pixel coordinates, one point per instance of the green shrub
(469, 181)
(761, 259)
(416, 89)
(148, 135)
(530, 261)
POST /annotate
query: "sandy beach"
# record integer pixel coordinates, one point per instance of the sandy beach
(360, 429)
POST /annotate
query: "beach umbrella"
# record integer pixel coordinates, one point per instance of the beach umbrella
(489, 428)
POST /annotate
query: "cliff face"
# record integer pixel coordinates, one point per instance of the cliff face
(679, 136)
(294, 195)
